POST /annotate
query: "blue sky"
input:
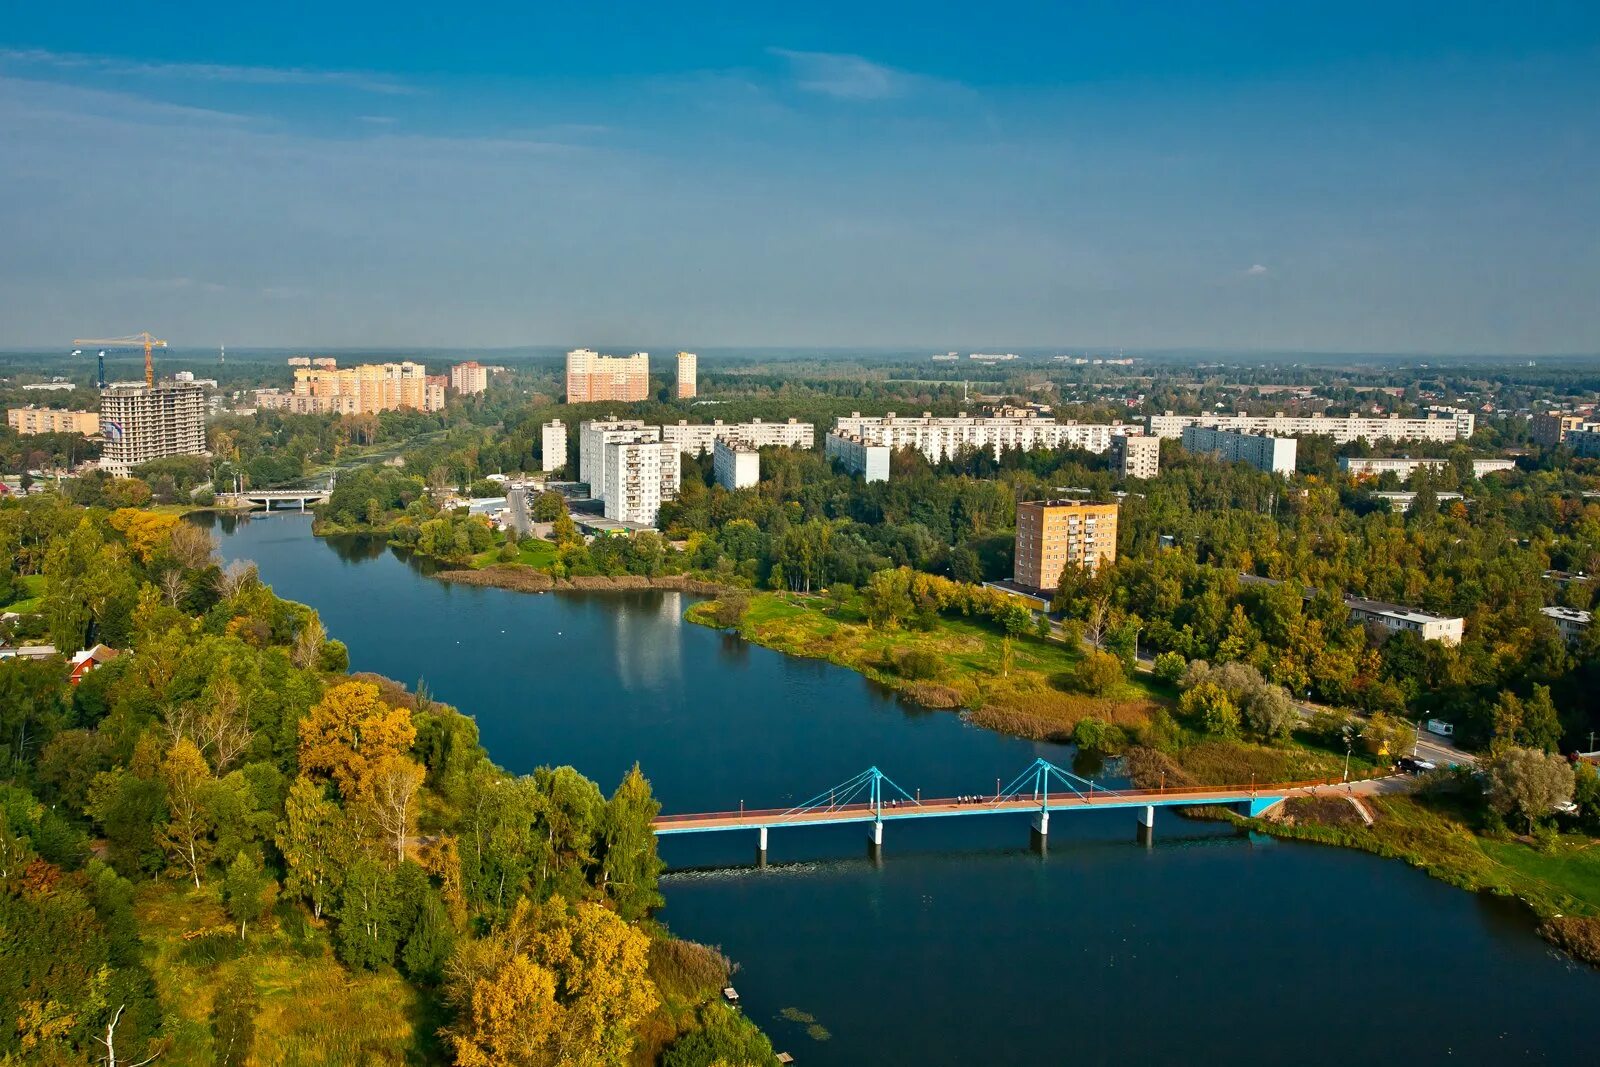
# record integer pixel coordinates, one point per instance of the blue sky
(1287, 176)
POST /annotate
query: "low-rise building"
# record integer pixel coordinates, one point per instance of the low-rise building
(1264, 453)
(31, 420)
(1402, 501)
(1572, 623)
(1442, 628)
(736, 464)
(1054, 533)
(87, 660)
(552, 446)
(1457, 426)
(857, 455)
(1136, 455)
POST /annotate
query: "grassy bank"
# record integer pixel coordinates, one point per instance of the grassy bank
(1025, 688)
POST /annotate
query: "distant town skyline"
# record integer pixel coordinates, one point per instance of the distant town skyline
(1239, 176)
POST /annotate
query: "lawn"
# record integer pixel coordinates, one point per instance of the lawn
(1032, 691)
(313, 1011)
(30, 595)
(531, 552)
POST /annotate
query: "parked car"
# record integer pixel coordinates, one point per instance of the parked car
(1417, 765)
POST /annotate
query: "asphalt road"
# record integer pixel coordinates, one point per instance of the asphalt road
(517, 503)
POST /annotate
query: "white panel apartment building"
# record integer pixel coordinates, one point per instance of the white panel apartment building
(1436, 427)
(696, 438)
(941, 437)
(1275, 454)
(631, 475)
(141, 423)
(858, 456)
(595, 438)
(1373, 466)
(736, 464)
(552, 446)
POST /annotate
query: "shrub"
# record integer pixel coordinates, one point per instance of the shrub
(1169, 667)
(1098, 673)
(729, 610)
(1096, 735)
(686, 971)
(1209, 705)
(507, 553)
(916, 663)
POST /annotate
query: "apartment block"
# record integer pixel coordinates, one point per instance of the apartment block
(1136, 455)
(857, 455)
(1572, 623)
(631, 476)
(940, 437)
(1264, 453)
(1585, 442)
(1550, 428)
(696, 438)
(31, 420)
(592, 377)
(1054, 533)
(552, 446)
(1374, 466)
(321, 386)
(737, 464)
(469, 378)
(142, 422)
(1393, 617)
(596, 435)
(1436, 427)
(688, 375)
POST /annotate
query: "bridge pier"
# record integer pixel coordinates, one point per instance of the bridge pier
(761, 850)
(1041, 824)
(1146, 834)
(875, 832)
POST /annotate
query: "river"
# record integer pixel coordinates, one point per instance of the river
(960, 944)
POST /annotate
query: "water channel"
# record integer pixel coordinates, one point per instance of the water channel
(961, 944)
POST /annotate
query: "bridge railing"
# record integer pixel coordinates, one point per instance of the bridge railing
(776, 815)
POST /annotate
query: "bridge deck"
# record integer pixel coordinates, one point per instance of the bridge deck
(950, 807)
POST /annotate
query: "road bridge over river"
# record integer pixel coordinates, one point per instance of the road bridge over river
(871, 798)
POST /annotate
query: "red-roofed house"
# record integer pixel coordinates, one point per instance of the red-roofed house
(90, 658)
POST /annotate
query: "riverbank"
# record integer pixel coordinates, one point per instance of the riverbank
(525, 579)
(1559, 884)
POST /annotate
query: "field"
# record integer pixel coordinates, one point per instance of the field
(531, 552)
(313, 1011)
(29, 595)
(1023, 688)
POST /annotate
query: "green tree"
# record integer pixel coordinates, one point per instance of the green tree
(246, 890)
(1169, 667)
(368, 931)
(1098, 673)
(1529, 783)
(187, 833)
(233, 1020)
(630, 865)
(317, 844)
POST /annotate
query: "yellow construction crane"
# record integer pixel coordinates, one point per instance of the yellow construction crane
(138, 340)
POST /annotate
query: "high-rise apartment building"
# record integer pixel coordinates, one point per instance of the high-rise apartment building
(940, 437)
(552, 446)
(696, 438)
(1054, 533)
(1264, 453)
(1136, 455)
(30, 420)
(1550, 428)
(632, 479)
(857, 455)
(321, 386)
(688, 375)
(736, 464)
(1449, 426)
(595, 435)
(143, 422)
(592, 377)
(469, 378)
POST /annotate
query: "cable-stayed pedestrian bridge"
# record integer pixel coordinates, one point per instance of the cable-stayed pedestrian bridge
(1041, 790)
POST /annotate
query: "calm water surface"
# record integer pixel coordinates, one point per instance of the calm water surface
(962, 945)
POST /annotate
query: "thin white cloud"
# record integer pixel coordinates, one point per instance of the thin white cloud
(847, 77)
(1256, 270)
(362, 81)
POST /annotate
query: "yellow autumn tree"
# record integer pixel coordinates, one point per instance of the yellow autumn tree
(349, 733)
(558, 985)
(145, 531)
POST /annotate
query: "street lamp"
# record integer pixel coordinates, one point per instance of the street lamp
(1350, 735)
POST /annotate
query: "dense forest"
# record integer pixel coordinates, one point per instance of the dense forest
(220, 808)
